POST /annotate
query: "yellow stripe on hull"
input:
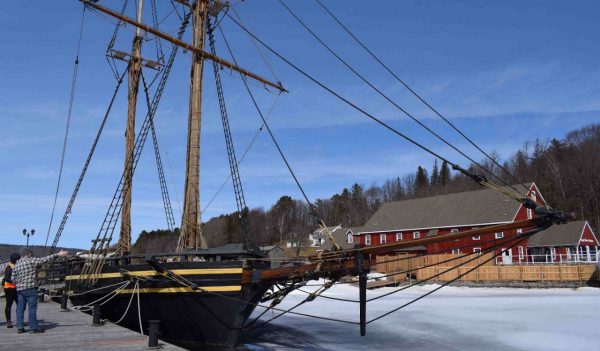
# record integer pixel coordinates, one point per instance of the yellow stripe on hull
(176, 290)
(154, 273)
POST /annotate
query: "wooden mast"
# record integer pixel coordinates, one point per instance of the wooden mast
(124, 245)
(191, 232)
(191, 236)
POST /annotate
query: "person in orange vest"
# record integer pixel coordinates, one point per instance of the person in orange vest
(10, 289)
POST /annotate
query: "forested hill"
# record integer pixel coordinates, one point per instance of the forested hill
(567, 172)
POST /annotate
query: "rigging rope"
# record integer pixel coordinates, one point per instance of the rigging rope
(262, 55)
(239, 162)
(476, 178)
(238, 189)
(264, 121)
(335, 18)
(382, 94)
(69, 113)
(109, 58)
(86, 165)
(164, 190)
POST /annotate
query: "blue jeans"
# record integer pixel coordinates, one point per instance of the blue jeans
(29, 296)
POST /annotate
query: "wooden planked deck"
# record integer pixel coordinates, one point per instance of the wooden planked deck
(73, 331)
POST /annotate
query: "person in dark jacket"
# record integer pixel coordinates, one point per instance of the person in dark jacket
(10, 289)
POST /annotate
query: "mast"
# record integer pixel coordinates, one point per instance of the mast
(191, 231)
(124, 245)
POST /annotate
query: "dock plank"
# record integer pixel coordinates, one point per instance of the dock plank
(74, 331)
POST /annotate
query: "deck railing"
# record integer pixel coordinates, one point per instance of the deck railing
(591, 257)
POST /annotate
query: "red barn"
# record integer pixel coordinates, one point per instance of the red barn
(442, 214)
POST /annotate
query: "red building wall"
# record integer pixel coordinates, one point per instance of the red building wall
(465, 245)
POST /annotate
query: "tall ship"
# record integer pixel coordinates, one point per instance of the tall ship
(207, 298)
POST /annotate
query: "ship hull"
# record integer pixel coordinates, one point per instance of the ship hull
(210, 317)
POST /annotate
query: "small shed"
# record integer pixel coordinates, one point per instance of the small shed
(275, 253)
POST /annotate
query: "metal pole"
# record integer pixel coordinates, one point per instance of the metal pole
(362, 289)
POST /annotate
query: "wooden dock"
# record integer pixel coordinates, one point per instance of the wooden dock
(73, 331)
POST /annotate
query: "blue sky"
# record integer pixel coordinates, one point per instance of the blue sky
(504, 72)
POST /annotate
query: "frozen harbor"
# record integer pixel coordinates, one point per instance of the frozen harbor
(454, 318)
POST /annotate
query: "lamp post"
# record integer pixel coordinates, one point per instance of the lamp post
(28, 234)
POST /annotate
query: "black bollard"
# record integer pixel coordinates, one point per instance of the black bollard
(153, 334)
(96, 313)
(64, 299)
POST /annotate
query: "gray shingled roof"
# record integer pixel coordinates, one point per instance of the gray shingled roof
(341, 238)
(558, 235)
(469, 207)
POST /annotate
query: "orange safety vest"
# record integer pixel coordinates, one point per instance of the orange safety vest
(8, 285)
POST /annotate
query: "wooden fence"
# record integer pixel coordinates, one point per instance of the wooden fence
(444, 270)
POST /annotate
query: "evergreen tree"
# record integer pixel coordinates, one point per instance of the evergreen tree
(399, 193)
(357, 194)
(445, 174)
(435, 175)
(421, 180)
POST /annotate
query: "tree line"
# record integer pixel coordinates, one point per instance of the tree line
(566, 171)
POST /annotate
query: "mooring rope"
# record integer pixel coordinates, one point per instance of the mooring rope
(88, 307)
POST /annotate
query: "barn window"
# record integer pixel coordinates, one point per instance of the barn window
(477, 250)
(477, 237)
(529, 214)
(382, 238)
(453, 230)
(499, 235)
(520, 231)
(368, 239)
(350, 238)
(416, 235)
(398, 236)
(455, 251)
(533, 196)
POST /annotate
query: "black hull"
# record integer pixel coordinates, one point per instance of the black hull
(210, 318)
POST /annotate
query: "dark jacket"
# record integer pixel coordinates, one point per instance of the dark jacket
(7, 282)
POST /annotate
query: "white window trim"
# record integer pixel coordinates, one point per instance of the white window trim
(529, 214)
(476, 250)
(521, 252)
(350, 238)
(477, 237)
(398, 236)
(501, 235)
(520, 231)
(382, 238)
(456, 251)
(454, 230)
(416, 235)
(368, 239)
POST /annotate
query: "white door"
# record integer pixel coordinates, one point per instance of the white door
(507, 256)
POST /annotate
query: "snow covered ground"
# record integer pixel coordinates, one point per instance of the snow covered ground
(454, 318)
